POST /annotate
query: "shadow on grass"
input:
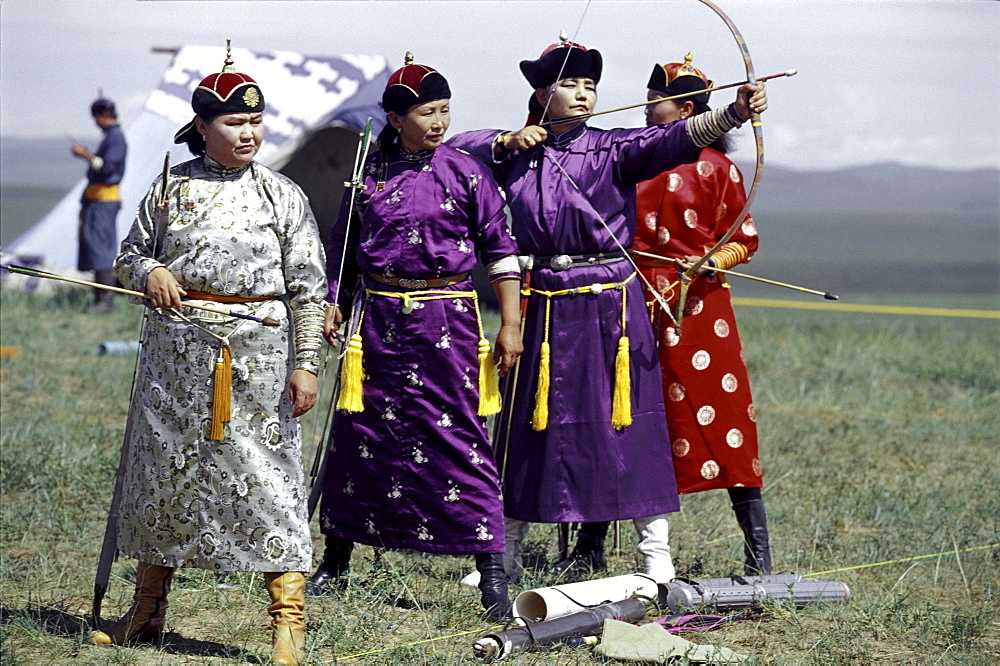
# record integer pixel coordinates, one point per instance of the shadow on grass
(51, 620)
(66, 625)
(173, 643)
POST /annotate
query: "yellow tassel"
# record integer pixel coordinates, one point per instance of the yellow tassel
(621, 406)
(489, 383)
(540, 419)
(351, 377)
(222, 393)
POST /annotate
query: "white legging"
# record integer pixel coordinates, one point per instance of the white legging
(654, 544)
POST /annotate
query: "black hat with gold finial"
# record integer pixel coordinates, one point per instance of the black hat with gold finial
(677, 78)
(226, 92)
(413, 84)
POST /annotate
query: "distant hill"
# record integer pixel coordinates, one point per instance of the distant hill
(872, 189)
(43, 163)
(877, 189)
(877, 228)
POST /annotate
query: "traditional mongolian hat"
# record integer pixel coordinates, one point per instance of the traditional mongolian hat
(677, 78)
(103, 105)
(565, 60)
(413, 84)
(557, 63)
(225, 92)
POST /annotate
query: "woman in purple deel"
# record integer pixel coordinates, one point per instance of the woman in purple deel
(587, 439)
(410, 464)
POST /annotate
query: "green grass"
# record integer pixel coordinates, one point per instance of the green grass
(880, 443)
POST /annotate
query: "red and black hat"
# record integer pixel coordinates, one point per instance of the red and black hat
(677, 78)
(225, 92)
(557, 63)
(413, 84)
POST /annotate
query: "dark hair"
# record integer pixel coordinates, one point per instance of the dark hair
(103, 106)
(387, 137)
(724, 144)
(195, 141)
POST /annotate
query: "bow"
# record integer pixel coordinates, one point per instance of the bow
(758, 133)
(354, 185)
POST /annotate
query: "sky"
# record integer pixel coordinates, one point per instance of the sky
(913, 82)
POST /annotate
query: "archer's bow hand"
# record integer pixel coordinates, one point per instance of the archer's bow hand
(332, 320)
(751, 98)
(163, 289)
(690, 260)
(508, 347)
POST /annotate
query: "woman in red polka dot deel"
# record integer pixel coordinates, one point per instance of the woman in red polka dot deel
(710, 415)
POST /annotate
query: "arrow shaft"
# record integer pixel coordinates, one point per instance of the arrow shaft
(734, 273)
(127, 292)
(573, 119)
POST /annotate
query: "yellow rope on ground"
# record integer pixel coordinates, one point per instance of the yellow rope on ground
(869, 308)
(905, 559)
(426, 640)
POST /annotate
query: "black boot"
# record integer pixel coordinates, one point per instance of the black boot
(493, 586)
(756, 545)
(334, 567)
(104, 300)
(588, 554)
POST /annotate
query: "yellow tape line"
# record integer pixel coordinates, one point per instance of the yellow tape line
(864, 307)
(905, 559)
(427, 640)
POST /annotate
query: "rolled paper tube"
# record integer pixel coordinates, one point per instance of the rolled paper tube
(118, 347)
(547, 603)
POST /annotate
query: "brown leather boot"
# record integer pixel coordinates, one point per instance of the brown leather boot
(145, 619)
(288, 621)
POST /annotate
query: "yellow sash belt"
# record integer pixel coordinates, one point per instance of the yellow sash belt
(102, 192)
(621, 402)
(352, 372)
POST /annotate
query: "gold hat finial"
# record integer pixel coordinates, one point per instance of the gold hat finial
(408, 59)
(227, 67)
(687, 68)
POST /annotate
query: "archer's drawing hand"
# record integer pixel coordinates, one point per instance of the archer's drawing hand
(332, 320)
(525, 138)
(302, 391)
(163, 289)
(751, 97)
(508, 347)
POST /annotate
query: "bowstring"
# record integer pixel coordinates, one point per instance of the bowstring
(627, 256)
(562, 67)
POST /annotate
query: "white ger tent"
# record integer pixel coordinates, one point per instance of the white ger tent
(316, 106)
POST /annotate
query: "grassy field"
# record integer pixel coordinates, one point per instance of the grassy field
(880, 443)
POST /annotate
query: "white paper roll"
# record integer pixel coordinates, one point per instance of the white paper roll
(546, 603)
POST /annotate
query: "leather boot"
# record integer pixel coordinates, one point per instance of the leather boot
(756, 545)
(515, 532)
(587, 556)
(145, 619)
(493, 586)
(334, 567)
(288, 620)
